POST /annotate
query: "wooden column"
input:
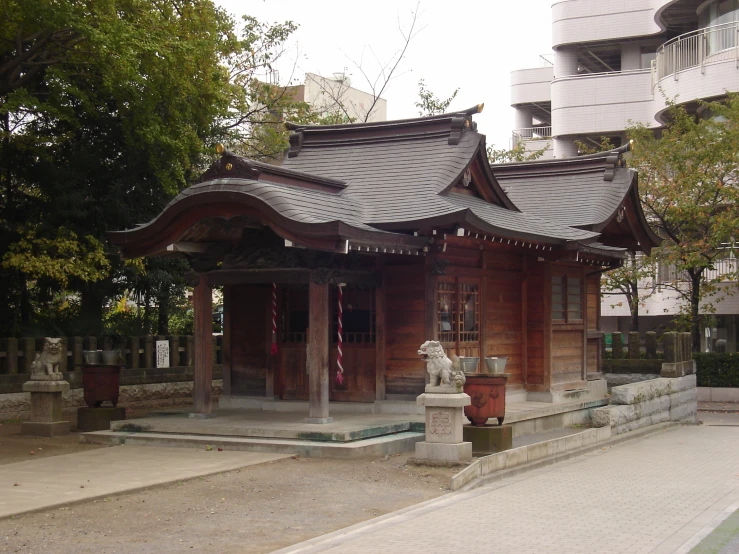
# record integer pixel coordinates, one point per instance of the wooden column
(227, 338)
(317, 355)
(380, 343)
(203, 331)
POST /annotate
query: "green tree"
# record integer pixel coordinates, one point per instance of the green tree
(107, 110)
(688, 184)
(428, 104)
(516, 154)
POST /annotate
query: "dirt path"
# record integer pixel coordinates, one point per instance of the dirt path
(256, 509)
(15, 448)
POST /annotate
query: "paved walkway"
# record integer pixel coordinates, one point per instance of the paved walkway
(663, 494)
(48, 482)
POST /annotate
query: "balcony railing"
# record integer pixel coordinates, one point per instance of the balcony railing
(698, 48)
(531, 133)
(724, 270)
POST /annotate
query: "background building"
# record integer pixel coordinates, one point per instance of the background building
(616, 63)
(335, 95)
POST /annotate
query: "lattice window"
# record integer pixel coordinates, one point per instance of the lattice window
(458, 311)
(469, 314)
(359, 322)
(446, 311)
(567, 298)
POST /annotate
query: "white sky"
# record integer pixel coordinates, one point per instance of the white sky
(469, 44)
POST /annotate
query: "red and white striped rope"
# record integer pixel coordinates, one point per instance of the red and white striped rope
(339, 352)
(274, 319)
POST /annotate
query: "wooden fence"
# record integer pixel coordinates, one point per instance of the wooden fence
(17, 355)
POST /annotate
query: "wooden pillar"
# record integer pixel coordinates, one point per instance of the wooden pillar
(226, 342)
(77, 348)
(317, 355)
(380, 342)
(11, 353)
(203, 331)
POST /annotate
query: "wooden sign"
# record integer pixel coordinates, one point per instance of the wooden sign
(162, 353)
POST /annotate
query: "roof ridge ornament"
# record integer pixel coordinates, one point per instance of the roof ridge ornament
(230, 165)
(296, 144)
(614, 160)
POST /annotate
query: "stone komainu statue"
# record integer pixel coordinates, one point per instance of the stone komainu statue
(46, 364)
(441, 369)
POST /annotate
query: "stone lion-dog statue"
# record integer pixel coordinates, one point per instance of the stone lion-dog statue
(46, 364)
(442, 370)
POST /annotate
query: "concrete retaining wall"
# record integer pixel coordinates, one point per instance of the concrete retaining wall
(718, 394)
(647, 403)
(151, 395)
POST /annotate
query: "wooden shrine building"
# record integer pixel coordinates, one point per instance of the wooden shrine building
(429, 242)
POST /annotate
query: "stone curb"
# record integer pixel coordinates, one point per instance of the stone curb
(66, 503)
(553, 459)
(335, 538)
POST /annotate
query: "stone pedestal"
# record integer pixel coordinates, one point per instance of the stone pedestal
(98, 419)
(444, 420)
(46, 408)
(488, 439)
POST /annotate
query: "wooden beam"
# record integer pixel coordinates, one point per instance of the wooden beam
(288, 276)
(317, 354)
(203, 331)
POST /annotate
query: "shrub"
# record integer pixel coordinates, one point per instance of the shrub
(717, 370)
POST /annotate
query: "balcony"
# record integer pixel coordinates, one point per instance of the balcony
(698, 49)
(532, 133)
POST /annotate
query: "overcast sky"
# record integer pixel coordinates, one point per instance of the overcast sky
(473, 45)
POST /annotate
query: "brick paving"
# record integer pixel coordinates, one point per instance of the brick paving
(658, 494)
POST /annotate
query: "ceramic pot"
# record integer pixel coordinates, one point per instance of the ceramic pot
(111, 357)
(487, 394)
(92, 357)
(496, 364)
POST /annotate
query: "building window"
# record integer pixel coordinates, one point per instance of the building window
(566, 298)
(294, 322)
(458, 311)
(359, 320)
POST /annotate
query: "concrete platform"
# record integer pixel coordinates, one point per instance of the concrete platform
(346, 427)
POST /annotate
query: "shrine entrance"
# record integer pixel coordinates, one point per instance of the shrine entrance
(359, 339)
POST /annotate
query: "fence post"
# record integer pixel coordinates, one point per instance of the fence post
(29, 353)
(11, 353)
(189, 349)
(651, 345)
(634, 351)
(63, 362)
(107, 343)
(134, 347)
(670, 344)
(617, 346)
(174, 351)
(148, 351)
(77, 348)
(92, 343)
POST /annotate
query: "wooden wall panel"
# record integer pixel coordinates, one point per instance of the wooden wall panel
(537, 325)
(502, 320)
(593, 301)
(249, 338)
(405, 372)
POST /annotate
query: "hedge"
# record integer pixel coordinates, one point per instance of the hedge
(717, 370)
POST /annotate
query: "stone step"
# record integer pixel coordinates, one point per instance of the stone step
(376, 446)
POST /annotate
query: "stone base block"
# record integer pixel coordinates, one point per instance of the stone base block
(98, 419)
(45, 429)
(440, 452)
(678, 369)
(319, 420)
(489, 439)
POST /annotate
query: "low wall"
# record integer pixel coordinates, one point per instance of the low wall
(140, 389)
(718, 394)
(647, 403)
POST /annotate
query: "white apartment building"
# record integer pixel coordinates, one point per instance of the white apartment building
(618, 61)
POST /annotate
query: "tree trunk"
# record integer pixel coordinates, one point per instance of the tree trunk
(695, 317)
(163, 317)
(91, 309)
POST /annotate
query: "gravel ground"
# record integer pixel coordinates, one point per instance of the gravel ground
(256, 509)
